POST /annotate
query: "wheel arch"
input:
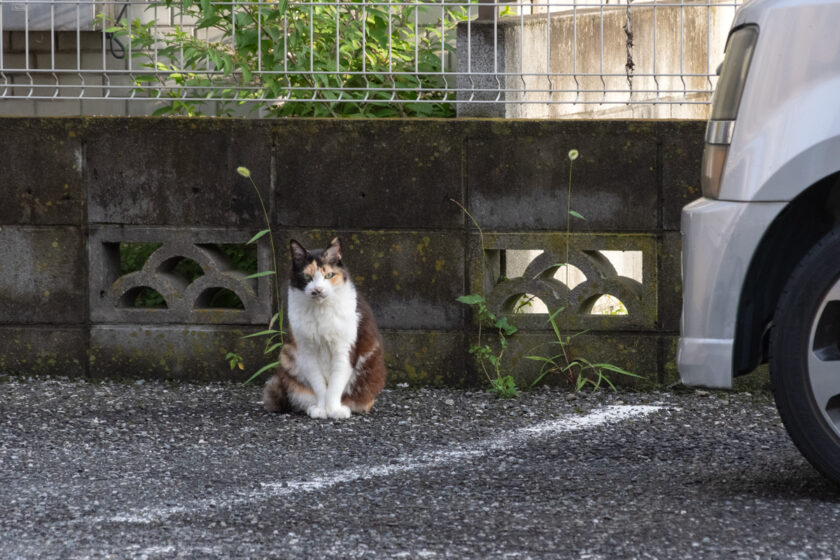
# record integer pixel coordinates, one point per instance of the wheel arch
(802, 223)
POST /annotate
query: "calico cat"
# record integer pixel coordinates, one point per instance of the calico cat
(333, 361)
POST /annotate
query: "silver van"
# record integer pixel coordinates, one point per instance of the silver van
(761, 249)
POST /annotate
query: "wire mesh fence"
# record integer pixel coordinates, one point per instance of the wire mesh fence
(362, 57)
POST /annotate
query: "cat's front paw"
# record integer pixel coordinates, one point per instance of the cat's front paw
(339, 413)
(316, 411)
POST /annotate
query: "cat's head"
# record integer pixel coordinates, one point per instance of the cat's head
(318, 273)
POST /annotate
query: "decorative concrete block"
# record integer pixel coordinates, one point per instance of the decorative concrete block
(41, 275)
(185, 302)
(668, 372)
(572, 304)
(76, 185)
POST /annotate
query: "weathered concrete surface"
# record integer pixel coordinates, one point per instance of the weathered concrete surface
(385, 186)
(670, 281)
(163, 470)
(681, 152)
(44, 350)
(636, 353)
(151, 172)
(41, 163)
(367, 175)
(518, 175)
(191, 352)
(42, 275)
(429, 358)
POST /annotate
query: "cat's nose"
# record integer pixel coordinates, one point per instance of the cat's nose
(317, 292)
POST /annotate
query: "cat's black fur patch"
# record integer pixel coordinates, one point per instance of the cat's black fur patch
(302, 258)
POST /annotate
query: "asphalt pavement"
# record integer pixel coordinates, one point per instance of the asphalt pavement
(152, 470)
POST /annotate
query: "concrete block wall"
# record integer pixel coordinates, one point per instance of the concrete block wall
(75, 189)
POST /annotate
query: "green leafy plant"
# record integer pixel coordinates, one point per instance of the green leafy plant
(297, 59)
(274, 333)
(502, 385)
(578, 372)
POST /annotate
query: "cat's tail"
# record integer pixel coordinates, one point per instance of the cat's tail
(275, 398)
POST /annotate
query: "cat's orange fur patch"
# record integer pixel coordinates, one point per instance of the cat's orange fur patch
(358, 407)
(338, 277)
(311, 269)
(294, 386)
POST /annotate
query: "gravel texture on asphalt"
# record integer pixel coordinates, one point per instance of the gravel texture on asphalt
(154, 470)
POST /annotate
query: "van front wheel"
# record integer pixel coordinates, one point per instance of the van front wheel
(805, 356)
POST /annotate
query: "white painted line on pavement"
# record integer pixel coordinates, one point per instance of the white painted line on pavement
(405, 463)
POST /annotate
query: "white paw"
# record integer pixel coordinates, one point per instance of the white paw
(339, 413)
(316, 411)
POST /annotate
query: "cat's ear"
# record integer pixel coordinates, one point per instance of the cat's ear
(333, 253)
(299, 254)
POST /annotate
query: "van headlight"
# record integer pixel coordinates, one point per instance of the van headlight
(727, 99)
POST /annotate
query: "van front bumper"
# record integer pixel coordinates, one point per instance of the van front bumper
(719, 239)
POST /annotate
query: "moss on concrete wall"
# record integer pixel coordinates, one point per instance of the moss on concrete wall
(385, 186)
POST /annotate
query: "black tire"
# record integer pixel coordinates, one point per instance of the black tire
(805, 356)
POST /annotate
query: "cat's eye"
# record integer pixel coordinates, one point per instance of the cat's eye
(307, 277)
(329, 275)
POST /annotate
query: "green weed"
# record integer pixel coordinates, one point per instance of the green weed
(502, 385)
(274, 333)
(578, 372)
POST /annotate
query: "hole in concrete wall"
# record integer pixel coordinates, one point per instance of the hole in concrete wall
(626, 263)
(570, 275)
(516, 261)
(219, 298)
(242, 257)
(608, 305)
(142, 297)
(528, 303)
(134, 255)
